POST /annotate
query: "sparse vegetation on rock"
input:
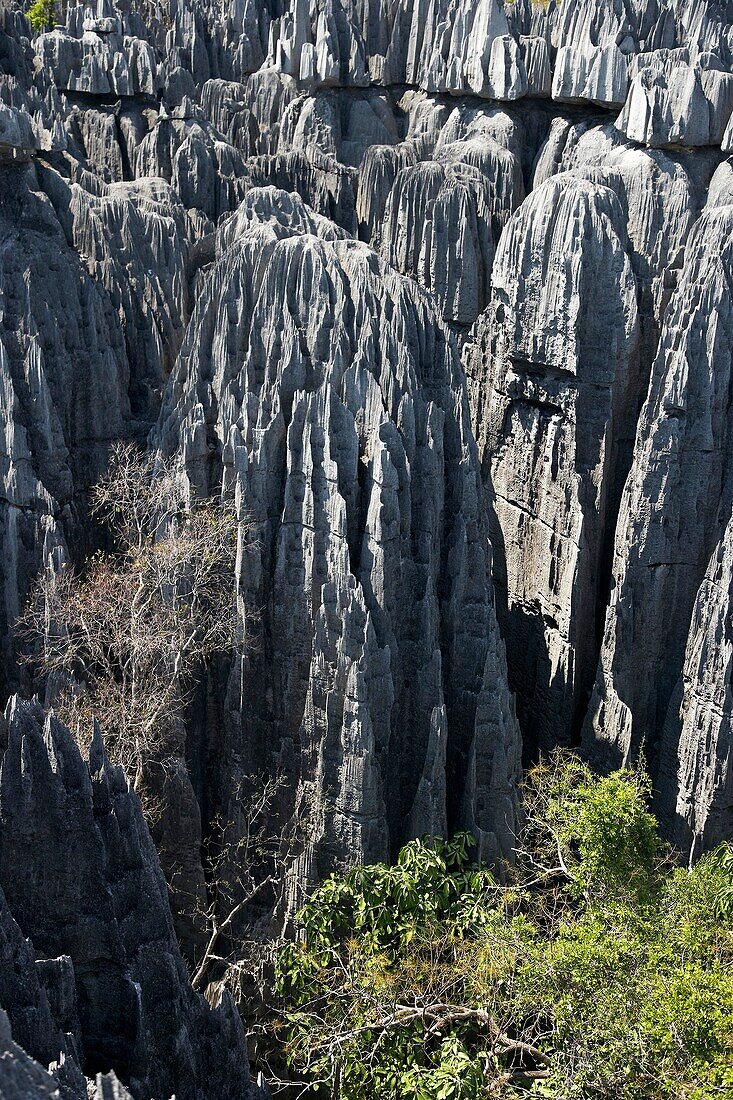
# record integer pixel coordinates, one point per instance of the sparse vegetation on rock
(41, 15)
(125, 635)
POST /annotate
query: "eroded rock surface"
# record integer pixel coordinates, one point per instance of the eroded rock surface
(94, 297)
(696, 776)
(334, 409)
(82, 881)
(676, 506)
(554, 372)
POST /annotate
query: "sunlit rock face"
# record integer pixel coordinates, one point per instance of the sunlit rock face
(320, 387)
(554, 369)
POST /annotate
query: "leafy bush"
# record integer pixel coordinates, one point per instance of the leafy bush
(598, 969)
(42, 15)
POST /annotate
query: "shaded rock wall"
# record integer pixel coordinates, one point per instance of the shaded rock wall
(64, 392)
(99, 979)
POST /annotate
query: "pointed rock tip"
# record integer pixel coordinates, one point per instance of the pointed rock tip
(97, 752)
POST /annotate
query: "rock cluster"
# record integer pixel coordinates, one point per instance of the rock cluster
(101, 60)
(377, 680)
(90, 971)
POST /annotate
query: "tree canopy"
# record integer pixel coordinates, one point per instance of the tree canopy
(127, 633)
(597, 968)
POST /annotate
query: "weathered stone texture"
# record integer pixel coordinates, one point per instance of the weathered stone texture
(82, 880)
(335, 409)
(696, 768)
(326, 249)
(676, 505)
(553, 371)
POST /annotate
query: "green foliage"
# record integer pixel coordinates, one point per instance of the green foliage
(720, 868)
(433, 885)
(42, 15)
(601, 830)
(597, 970)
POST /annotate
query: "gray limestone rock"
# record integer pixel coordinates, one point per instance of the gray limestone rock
(85, 347)
(181, 187)
(377, 175)
(22, 1078)
(133, 237)
(63, 385)
(101, 61)
(334, 409)
(266, 94)
(676, 506)
(338, 125)
(435, 207)
(553, 369)
(224, 103)
(17, 137)
(575, 51)
(536, 57)
(468, 49)
(285, 214)
(38, 1018)
(674, 102)
(437, 227)
(594, 42)
(82, 879)
(324, 50)
(695, 781)
(323, 183)
(720, 191)
(661, 199)
(207, 172)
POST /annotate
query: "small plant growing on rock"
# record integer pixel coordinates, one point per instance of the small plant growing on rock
(42, 15)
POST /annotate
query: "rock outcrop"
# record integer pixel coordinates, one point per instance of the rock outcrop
(103, 982)
(42, 1028)
(333, 408)
(64, 393)
(675, 102)
(94, 297)
(554, 374)
(696, 775)
(100, 61)
(670, 540)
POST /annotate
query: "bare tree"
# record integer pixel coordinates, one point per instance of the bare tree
(128, 633)
(247, 859)
(125, 639)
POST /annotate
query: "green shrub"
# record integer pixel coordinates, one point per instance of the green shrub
(598, 970)
(42, 15)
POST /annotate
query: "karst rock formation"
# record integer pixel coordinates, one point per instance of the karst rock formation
(439, 294)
